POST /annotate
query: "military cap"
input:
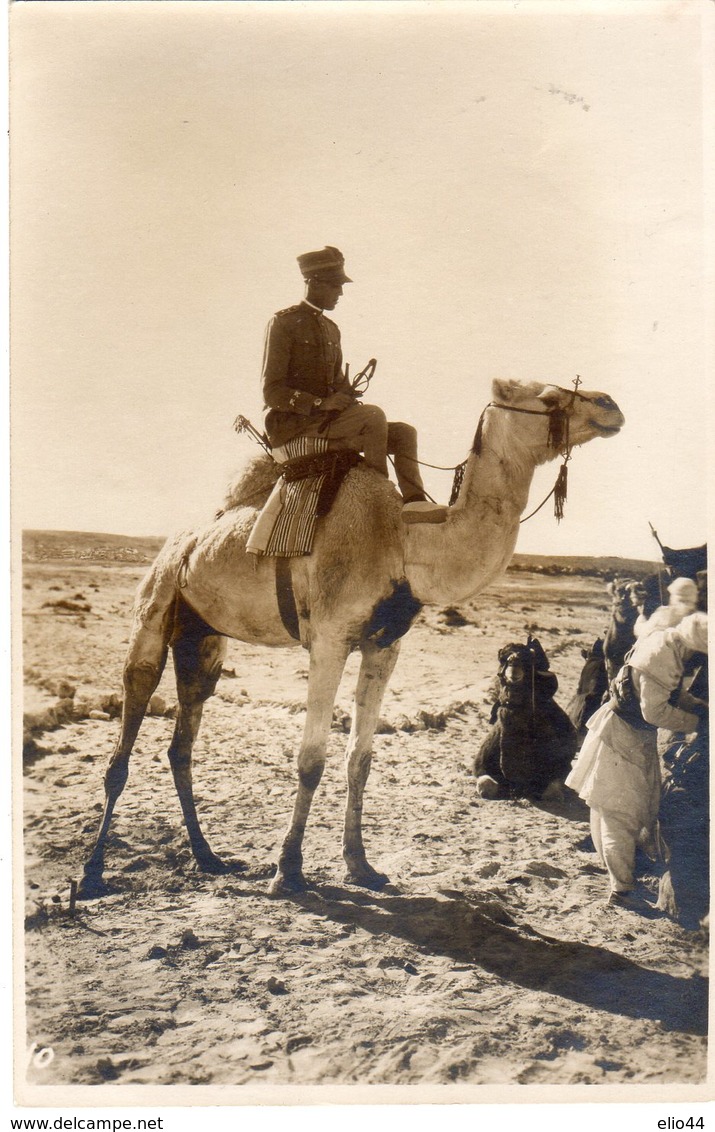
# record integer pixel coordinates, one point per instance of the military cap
(327, 265)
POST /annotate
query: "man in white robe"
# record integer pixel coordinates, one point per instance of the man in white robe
(617, 772)
(683, 600)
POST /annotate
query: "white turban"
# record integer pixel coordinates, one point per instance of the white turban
(693, 631)
(684, 589)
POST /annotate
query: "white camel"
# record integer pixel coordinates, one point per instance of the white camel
(368, 569)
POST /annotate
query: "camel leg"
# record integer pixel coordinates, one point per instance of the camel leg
(142, 672)
(198, 659)
(327, 661)
(375, 671)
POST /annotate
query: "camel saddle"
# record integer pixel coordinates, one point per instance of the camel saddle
(311, 476)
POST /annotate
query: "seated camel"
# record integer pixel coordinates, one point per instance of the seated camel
(592, 685)
(631, 601)
(627, 600)
(532, 742)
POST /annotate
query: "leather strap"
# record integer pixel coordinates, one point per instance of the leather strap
(286, 598)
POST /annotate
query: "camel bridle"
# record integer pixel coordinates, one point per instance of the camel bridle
(530, 677)
(559, 420)
(557, 438)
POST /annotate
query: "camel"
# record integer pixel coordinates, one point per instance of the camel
(627, 602)
(631, 602)
(532, 742)
(592, 684)
(366, 578)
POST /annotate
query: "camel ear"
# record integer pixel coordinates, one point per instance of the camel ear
(552, 395)
(540, 656)
(504, 389)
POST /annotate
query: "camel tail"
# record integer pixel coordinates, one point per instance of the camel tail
(157, 595)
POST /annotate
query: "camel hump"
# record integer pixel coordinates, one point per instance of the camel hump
(252, 484)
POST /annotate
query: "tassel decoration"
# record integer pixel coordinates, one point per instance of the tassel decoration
(457, 482)
(560, 490)
(242, 424)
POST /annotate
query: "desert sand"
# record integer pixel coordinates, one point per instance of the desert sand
(491, 959)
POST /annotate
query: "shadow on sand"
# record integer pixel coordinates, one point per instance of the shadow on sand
(480, 932)
(569, 806)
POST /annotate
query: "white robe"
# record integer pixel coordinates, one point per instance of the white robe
(617, 768)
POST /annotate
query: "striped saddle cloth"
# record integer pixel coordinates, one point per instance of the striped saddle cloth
(311, 474)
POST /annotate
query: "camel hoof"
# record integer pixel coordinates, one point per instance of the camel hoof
(284, 884)
(210, 863)
(235, 866)
(92, 886)
(368, 878)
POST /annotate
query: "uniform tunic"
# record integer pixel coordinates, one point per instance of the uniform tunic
(302, 361)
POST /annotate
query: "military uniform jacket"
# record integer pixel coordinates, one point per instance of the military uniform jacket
(302, 361)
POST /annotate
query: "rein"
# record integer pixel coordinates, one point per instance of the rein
(558, 438)
(531, 679)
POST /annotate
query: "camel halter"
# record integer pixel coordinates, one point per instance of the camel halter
(557, 439)
(534, 672)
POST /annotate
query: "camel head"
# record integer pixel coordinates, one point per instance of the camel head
(627, 598)
(524, 425)
(570, 417)
(524, 673)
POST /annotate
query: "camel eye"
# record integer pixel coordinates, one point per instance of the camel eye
(605, 402)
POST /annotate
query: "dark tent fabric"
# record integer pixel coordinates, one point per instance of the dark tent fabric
(686, 563)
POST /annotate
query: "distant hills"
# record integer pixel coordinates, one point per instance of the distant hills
(48, 546)
(595, 567)
(87, 546)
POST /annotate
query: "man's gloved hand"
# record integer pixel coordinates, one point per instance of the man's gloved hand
(337, 401)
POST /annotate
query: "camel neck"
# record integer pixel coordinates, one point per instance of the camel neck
(450, 562)
(500, 471)
(456, 559)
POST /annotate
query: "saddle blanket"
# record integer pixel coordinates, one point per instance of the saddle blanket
(285, 528)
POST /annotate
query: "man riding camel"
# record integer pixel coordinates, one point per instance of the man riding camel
(307, 393)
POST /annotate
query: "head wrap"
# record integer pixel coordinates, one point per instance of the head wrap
(684, 589)
(693, 632)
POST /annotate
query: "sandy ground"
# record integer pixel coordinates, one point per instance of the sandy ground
(490, 959)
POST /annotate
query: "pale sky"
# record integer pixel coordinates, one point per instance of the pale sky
(517, 188)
